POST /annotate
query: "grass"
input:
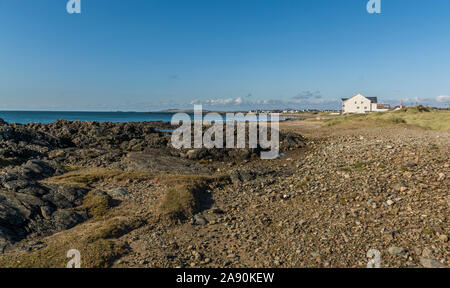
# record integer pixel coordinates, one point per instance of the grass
(96, 204)
(181, 200)
(97, 242)
(417, 116)
(99, 239)
(88, 177)
(178, 203)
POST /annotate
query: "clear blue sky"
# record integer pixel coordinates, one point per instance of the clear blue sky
(227, 54)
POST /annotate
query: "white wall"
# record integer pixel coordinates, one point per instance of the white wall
(357, 104)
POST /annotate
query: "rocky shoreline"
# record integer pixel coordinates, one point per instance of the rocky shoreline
(33, 152)
(331, 197)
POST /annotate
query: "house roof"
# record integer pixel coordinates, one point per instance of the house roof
(372, 99)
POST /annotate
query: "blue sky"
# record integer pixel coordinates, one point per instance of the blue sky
(226, 54)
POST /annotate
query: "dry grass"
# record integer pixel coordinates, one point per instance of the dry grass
(178, 203)
(96, 204)
(96, 240)
(417, 116)
(190, 179)
(99, 239)
(89, 177)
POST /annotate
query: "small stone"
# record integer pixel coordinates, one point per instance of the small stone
(217, 211)
(443, 238)
(315, 254)
(397, 250)
(200, 220)
(390, 202)
(197, 255)
(118, 192)
(192, 154)
(427, 252)
(231, 256)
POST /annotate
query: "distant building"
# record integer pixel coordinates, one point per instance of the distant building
(360, 104)
(399, 107)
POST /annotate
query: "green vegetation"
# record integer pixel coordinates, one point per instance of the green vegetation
(88, 177)
(118, 226)
(97, 242)
(99, 239)
(181, 200)
(420, 116)
(96, 204)
(178, 203)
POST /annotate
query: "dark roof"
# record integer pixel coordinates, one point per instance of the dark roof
(372, 99)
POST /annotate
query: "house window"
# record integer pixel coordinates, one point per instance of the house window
(362, 102)
(357, 107)
(365, 108)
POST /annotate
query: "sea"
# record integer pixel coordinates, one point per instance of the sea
(45, 117)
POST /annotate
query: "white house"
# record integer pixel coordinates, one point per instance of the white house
(360, 104)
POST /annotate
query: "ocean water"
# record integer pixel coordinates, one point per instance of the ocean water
(45, 117)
